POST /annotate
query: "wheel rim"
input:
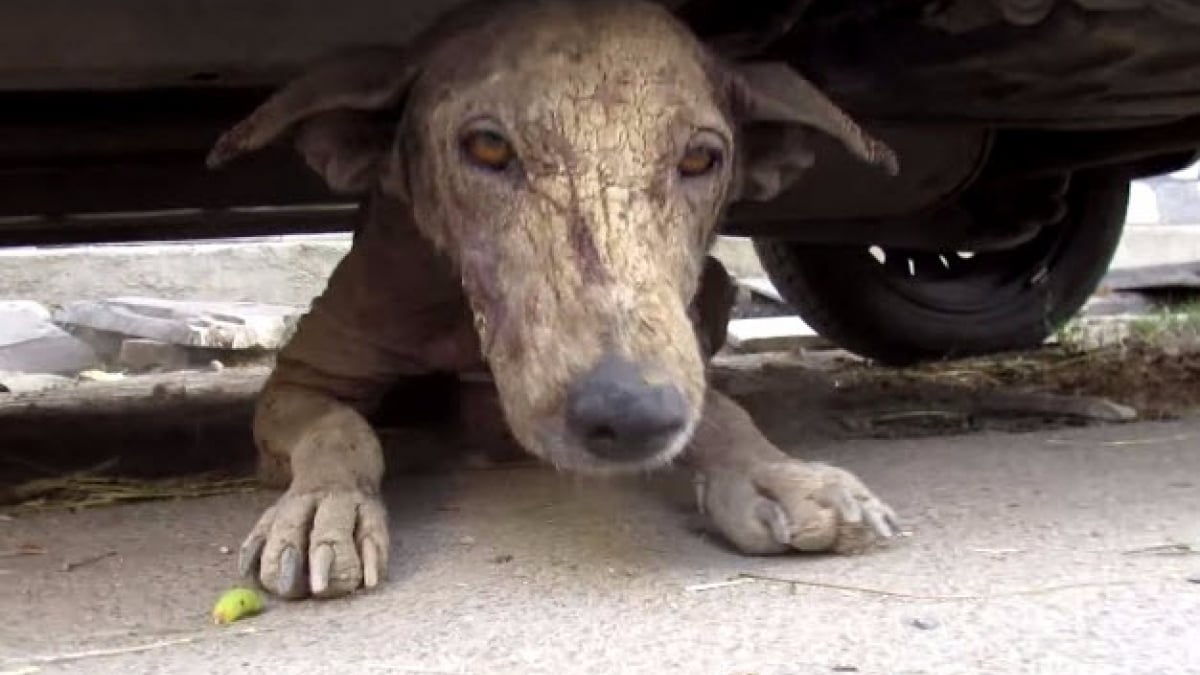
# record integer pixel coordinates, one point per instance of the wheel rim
(961, 282)
(968, 282)
(975, 304)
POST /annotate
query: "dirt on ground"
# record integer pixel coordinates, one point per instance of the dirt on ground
(1159, 384)
(176, 424)
(848, 397)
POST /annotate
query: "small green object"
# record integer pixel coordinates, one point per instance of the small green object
(236, 604)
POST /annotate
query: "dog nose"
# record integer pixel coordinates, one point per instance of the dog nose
(619, 416)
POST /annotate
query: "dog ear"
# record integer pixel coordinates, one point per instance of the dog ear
(341, 115)
(347, 148)
(777, 111)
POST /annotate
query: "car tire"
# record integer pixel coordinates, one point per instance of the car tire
(899, 307)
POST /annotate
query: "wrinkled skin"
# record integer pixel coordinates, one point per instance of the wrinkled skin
(572, 270)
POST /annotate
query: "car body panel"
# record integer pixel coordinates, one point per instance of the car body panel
(110, 105)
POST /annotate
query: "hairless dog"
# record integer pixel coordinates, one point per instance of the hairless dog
(541, 183)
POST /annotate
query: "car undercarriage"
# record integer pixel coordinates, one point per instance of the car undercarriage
(1018, 124)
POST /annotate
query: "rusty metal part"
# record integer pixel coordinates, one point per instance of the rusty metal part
(742, 30)
(1036, 152)
(1122, 76)
(950, 228)
(1013, 63)
(181, 224)
(936, 164)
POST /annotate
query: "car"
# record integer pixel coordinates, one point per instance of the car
(1019, 124)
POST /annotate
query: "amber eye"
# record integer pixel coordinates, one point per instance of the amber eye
(698, 161)
(488, 150)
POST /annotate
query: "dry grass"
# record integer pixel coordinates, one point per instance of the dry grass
(90, 489)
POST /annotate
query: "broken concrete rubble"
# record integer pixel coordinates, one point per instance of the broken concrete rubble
(28, 383)
(143, 355)
(214, 325)
(31, 343)
(773, 333)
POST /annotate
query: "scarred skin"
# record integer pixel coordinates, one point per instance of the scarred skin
(592, 242)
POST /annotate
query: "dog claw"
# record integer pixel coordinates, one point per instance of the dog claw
(776, 521)
(849, 508)
(250, 554)
(370, 559)
(883, 521)
(289, 571)
(320, 567)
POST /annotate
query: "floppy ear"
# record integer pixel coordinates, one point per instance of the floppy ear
(347, 148)
(777, 111)
(333, 113)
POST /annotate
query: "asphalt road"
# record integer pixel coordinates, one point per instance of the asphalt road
(1019, 561)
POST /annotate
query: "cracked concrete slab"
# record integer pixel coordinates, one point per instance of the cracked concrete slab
(1020, 562)
(191, 323)
(31, 343)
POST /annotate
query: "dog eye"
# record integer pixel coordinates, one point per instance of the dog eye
(489, 150)
(698, 161)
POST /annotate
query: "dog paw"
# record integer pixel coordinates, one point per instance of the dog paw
(775, 507)
(318, 543)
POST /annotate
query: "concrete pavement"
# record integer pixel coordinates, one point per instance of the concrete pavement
(1018, 563)
(291, 270)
